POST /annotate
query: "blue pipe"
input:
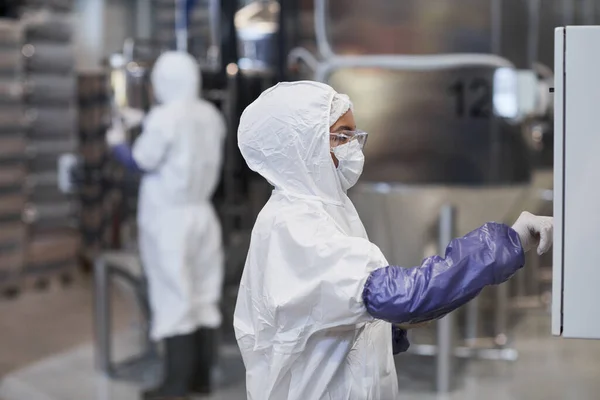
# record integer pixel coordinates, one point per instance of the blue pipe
(183, 12)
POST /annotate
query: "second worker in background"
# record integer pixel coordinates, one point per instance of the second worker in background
(179, 153)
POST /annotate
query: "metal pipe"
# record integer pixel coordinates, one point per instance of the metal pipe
(214, 51)
(400, 62)
(129, 49)
(410, 63)
(301, 54)
(230, 166)
(283, 34)
(445, 325)
(143, 19)
(394, 62)
(321, 29)
(502, 310)
(181, 28)
(102, 316)
(496, 26)
(472, 322)
(533, 32)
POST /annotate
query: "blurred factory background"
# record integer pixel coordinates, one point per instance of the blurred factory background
(455, 96)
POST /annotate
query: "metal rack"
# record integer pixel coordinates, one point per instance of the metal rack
(38, 124)
(51, 102)
(12, 163)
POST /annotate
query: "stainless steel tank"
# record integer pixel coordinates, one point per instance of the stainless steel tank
(434, 131)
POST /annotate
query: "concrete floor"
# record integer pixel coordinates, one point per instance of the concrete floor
(37, 325)
(46, 354)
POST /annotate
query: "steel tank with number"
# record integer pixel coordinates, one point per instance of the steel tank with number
(434, 136)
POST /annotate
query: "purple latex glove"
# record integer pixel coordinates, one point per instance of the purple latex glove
(123, 154)
(399, 340)
(489, 255)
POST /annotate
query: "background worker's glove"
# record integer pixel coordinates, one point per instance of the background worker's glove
(123, 120)
(116, 135)
(534, 231)
(131, 117)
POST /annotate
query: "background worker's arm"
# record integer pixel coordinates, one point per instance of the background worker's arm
(487, 256)
(150, 148)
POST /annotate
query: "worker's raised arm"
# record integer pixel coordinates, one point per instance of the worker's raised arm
(489, 255)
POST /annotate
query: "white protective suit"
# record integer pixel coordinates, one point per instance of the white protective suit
(180, 151)
(300, 321)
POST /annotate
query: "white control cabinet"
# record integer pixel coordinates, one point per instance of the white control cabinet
(576, 257)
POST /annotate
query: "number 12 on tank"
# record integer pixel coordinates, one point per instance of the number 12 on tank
(472, 98)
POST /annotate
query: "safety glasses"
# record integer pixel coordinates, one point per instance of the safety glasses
(339, 138)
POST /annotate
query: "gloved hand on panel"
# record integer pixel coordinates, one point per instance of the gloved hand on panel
(535, 231)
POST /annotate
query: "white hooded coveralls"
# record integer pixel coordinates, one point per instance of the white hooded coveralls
(300, 321)
(180, 151)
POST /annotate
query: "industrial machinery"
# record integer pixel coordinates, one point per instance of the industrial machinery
(456, 104)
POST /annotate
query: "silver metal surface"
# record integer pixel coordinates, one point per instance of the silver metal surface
(402, 219)
(413, 103)
(130, 74)
(445, 326)
(419, 28)
(257, 25)
(409, 27)
(416, 136)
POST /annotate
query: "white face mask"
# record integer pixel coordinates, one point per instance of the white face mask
(351, 161)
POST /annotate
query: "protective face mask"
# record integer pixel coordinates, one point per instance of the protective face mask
(351, 162)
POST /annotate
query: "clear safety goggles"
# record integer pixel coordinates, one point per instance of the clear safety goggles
(339, 138)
